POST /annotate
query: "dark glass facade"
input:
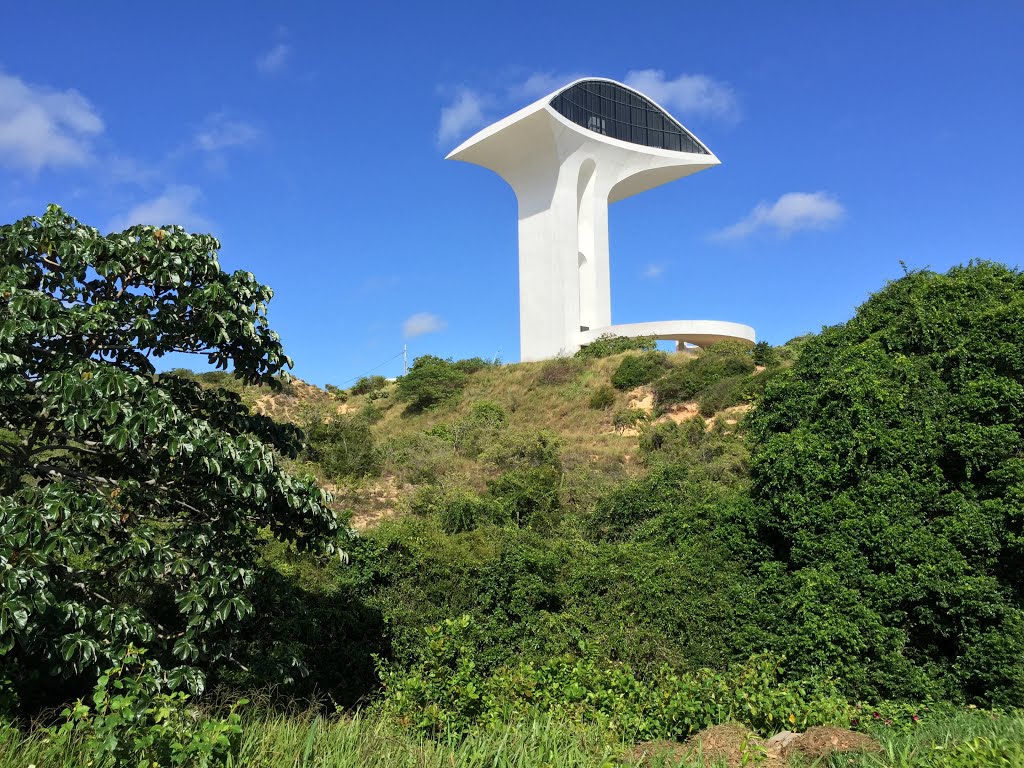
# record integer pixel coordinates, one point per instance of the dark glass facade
(618, 112)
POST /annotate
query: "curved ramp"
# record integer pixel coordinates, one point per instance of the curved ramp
(702, 333)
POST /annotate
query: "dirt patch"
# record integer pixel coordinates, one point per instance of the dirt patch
(735, 745)
(823, 740)
(680, 413)
(642, 399)
(653, 752)
(370, 504)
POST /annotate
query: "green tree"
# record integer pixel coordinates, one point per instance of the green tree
(889, 464)
(130, 503)
(430, 381)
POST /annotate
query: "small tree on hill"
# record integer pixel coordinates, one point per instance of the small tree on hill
(130, 503)
(430, 381)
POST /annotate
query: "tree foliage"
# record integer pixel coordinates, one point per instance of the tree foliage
(719, 361)
(609, 344)
(637, 370)
(890, 462)
(431, 381)
(130, 503)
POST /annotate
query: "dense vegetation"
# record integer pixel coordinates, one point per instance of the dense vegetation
(566, 557)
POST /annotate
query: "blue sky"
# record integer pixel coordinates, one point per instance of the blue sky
(310, 139)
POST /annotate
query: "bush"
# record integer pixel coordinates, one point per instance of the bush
(637, 370)
(888, 464)
(336, 392)
(368, 384)
(342, 445)
(129, 724)
(524, 449)
(764, 354)
(629, 418)
(417, 458)
(444, 693)
(609, 344)
(430, 382)
(724, 393)
(719, 361)
(560, 370)
(528, 496)
(457, 510)
(473, 364)
(602, 398)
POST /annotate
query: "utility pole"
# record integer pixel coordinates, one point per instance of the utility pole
(405, 359)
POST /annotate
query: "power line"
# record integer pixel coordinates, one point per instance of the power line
(355, 378)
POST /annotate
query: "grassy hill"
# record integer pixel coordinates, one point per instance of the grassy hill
(598, 445)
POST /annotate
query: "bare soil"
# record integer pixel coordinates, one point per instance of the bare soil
(731, 742)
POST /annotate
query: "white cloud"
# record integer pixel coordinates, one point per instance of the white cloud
(687, 94)
(42, 127)
(176, 205)
(464, 114)
(652, 271)
(421, 323)
(790, 213)
(220, 132)
(275, 59)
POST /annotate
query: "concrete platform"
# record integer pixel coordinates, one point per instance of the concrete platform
(701, 333)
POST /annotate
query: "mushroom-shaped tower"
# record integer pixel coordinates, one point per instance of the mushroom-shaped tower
(567, 156)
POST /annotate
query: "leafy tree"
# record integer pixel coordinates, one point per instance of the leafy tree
(430, 381)
(888, 461)
(130, 503)
(368, 384)
(765, 354)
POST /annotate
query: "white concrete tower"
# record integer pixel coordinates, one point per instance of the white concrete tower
(567, 156)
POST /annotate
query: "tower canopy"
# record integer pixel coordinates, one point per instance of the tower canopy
(568, 156)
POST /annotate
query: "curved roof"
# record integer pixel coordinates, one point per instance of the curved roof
(612, 109)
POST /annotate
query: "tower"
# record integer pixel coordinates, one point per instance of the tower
(567, 156)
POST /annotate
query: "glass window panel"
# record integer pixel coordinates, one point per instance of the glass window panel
(624, 114)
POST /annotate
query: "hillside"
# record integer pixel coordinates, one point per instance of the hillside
(598, 445)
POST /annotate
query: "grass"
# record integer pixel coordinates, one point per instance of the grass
(964, 739)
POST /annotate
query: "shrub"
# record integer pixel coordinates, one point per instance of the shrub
(473, 364)
(764, 354)
(528, 496)
(629, 418)
(444, 693)
(417, 458)
(724, 393)
(888, 464)
(717, 362)
(637, 370)
(370, 413)
(368, 384)
(524, 449)
(609, 344)
(560, 370)
(128, 723)
(457, 510)
(342, 445)
(602, 398)
(336, 392)
(483, 424)
(430, 381)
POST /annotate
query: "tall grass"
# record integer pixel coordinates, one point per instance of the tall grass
(306, 740)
